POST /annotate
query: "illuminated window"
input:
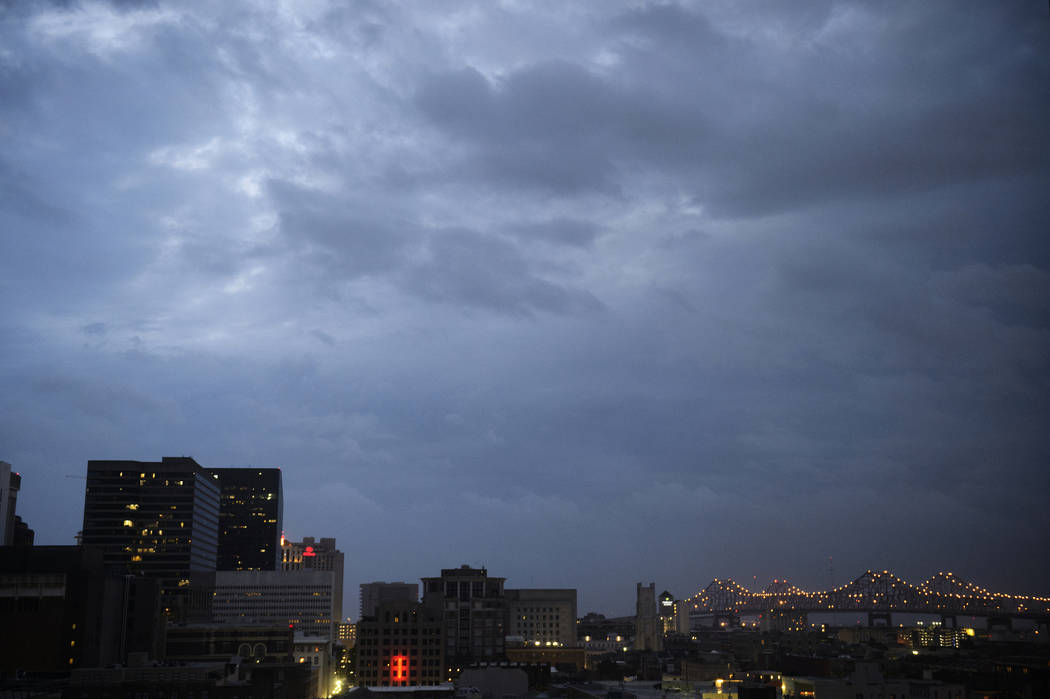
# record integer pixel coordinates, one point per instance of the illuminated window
(128, 523)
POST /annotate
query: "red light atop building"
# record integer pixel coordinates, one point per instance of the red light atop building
(309, 551)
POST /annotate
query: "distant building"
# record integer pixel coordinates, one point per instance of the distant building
(596, 633)
(648, 634)
(681, 616)
(250, 518)
(931, 637)
(401, 646)
(10, 482)
(560, 657)
(472, 608)
(301, 599)
(347, 634)
(542, 617)
(665, 610)
(374, 594)
(155, 519)
(311, 554)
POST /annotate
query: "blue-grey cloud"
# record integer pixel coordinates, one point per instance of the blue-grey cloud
(757, 282)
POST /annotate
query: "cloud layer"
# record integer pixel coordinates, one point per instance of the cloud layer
(586, 294)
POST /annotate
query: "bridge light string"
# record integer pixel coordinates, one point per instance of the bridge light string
(886, 590)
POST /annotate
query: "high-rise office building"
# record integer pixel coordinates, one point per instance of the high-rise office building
(311, 554)
(374, 594)
(250, 516)
(472, 608)
(666, 612)
(542, 617)
(158, 519)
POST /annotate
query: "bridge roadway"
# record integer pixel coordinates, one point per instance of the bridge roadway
(878, 593)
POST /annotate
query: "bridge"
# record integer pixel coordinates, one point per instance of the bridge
(877, 593)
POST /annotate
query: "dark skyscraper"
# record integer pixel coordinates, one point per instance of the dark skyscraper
(250, 517)
(157, 519)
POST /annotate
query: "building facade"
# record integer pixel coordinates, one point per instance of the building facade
(401, 646)
(60, 609)
(648, 631)
(201, 643)
(542, 617)
(472, 608)
(317, 653)
(301, 599)
(374, 594)
(311, 554)
(665, 611)
(250, 518)
(346, 634)
(10, 483)
(156, 519)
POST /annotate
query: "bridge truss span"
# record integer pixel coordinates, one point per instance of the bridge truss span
(876, 592)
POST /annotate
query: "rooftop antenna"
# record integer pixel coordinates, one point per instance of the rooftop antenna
(831, 575)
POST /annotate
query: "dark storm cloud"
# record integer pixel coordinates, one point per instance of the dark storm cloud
(716, 289)
(473, 270)
(870, 124)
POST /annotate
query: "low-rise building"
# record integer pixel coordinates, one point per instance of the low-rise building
(317, 653)
(206, 643)
(542, 617)
(401, 646)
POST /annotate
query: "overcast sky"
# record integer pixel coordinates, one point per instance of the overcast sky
(587, 293)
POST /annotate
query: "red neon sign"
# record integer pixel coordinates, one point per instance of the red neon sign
(399, 670)
(309, 551)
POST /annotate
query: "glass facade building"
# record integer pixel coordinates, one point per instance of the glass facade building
(156, 519)
(251, 512)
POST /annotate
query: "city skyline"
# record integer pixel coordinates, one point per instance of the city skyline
(757, 592)
(585, 294)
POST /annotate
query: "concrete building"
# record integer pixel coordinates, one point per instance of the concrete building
(302, 599)
(542, 617)
(374, 594)
(648, 632)
(472, 607)
(251, 512)
(401, 646)
(317, 654)
(155, 519)
(310, 554)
